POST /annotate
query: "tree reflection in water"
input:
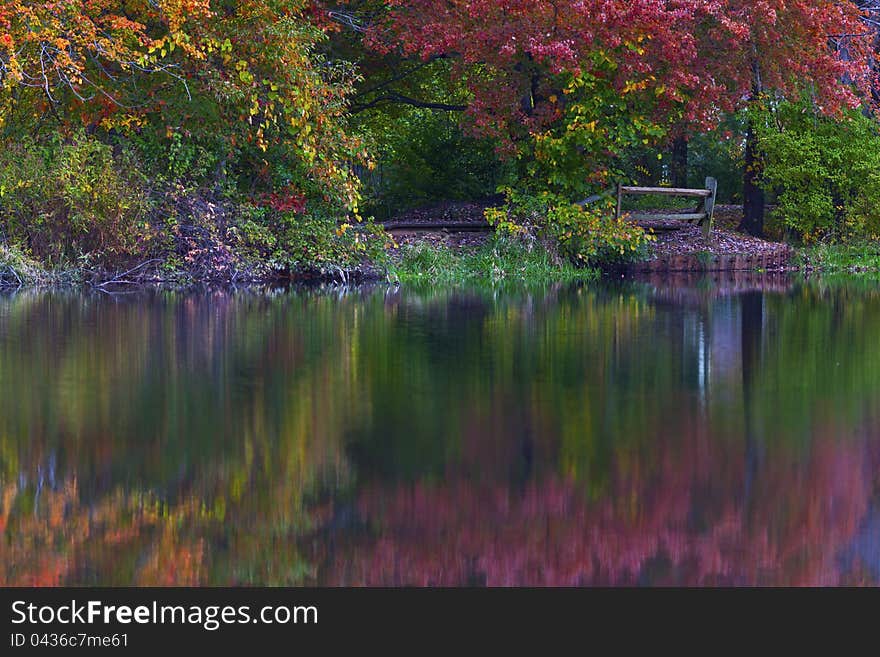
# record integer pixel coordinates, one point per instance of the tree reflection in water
(708, 433)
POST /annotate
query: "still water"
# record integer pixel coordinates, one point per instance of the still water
(627, 433)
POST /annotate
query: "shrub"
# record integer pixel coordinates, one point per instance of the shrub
(176, 157)
(64, 200)
(16, 269)
(312, 240)
(586, 236)
(594, 236)
(825, 172)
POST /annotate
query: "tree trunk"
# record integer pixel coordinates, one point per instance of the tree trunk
(679, 167)
(753, 193)
(752, 330)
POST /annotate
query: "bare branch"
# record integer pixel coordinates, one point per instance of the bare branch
(393, 97)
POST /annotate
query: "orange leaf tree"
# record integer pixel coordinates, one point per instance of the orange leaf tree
(246, 76)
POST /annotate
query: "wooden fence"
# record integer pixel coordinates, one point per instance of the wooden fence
(704, 214)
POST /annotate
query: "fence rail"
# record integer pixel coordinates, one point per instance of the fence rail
(705, 211)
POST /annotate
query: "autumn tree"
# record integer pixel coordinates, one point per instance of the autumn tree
(83, 54)
(247, 75)
(516, 56)
(753, 52)
(675, 66)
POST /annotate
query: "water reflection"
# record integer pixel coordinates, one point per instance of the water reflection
(708, 432)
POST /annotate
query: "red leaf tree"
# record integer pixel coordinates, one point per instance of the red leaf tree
(687, 61)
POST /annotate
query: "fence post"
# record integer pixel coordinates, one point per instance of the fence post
(619, 201)
(712, 186)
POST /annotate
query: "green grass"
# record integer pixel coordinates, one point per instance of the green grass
(857, 258)
(497, 262)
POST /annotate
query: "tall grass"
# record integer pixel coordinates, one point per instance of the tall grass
(501, 260)
(856, 258)
(18, 270)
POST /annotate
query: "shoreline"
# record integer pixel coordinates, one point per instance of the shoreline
(371, 276)
(448, 258)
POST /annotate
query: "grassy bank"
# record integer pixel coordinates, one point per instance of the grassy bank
(19, 270)
(496, 262)
(857, 258)
(500, 260)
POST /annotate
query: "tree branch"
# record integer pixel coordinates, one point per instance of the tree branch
(393, 97)
(401, 76)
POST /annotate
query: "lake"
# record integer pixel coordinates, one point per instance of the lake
(626, 432)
